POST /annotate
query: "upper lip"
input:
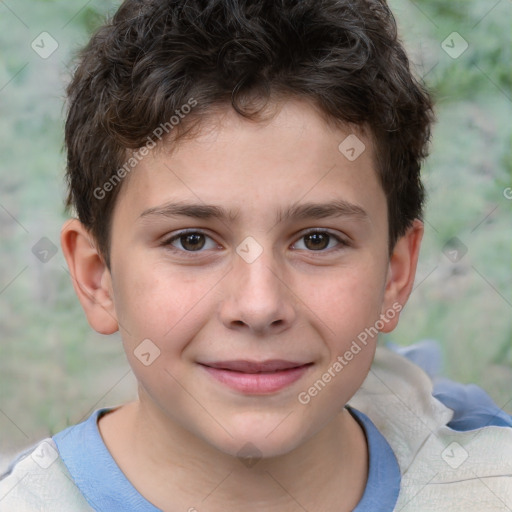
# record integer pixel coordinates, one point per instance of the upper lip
(271, 365)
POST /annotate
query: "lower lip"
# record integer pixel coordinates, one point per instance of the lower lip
(257, 383)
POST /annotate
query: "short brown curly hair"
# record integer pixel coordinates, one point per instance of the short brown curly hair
(154, 56)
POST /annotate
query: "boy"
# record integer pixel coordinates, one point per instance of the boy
(246, 180)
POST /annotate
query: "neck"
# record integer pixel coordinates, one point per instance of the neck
(175, 470)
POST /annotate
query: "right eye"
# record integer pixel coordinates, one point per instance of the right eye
(189, 240)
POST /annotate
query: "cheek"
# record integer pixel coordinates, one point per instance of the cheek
(159, 314)
(154, 303)
(348, 307)
(347, 302)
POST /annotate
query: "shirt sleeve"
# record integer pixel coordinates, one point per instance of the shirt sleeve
(40, 482)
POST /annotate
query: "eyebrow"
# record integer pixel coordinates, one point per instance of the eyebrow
(336, 208)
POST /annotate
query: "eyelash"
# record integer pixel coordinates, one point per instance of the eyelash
(168, 242)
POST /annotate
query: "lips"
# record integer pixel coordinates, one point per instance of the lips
(271, 366)
(255, 377)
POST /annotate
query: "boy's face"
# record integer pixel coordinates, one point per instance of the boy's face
(252, 288)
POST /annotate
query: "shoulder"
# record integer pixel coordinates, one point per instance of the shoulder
(442, 466)
(39, 481)
(470, 471)
(397, 396)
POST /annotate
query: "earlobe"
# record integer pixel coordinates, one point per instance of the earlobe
(91, 277)
(401, 273)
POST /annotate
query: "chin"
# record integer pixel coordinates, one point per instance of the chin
(259, 438)
(257, 447)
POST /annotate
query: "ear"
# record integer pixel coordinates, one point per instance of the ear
(91, 277)
(401, 274)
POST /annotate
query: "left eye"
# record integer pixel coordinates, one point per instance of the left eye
(320, 240)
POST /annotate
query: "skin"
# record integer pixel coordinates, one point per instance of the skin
(178, 443)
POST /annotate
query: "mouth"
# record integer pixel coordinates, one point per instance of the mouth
(254, 377)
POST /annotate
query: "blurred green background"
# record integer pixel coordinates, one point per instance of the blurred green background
(54, 370)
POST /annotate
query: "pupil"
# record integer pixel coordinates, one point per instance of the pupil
(194, 239)
(320, 241)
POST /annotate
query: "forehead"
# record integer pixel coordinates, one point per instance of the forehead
(264, 167)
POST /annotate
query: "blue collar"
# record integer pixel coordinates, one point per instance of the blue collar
(384, 477)
(106, 488)
(94, 471)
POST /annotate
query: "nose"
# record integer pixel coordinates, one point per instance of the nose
(258, 297)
